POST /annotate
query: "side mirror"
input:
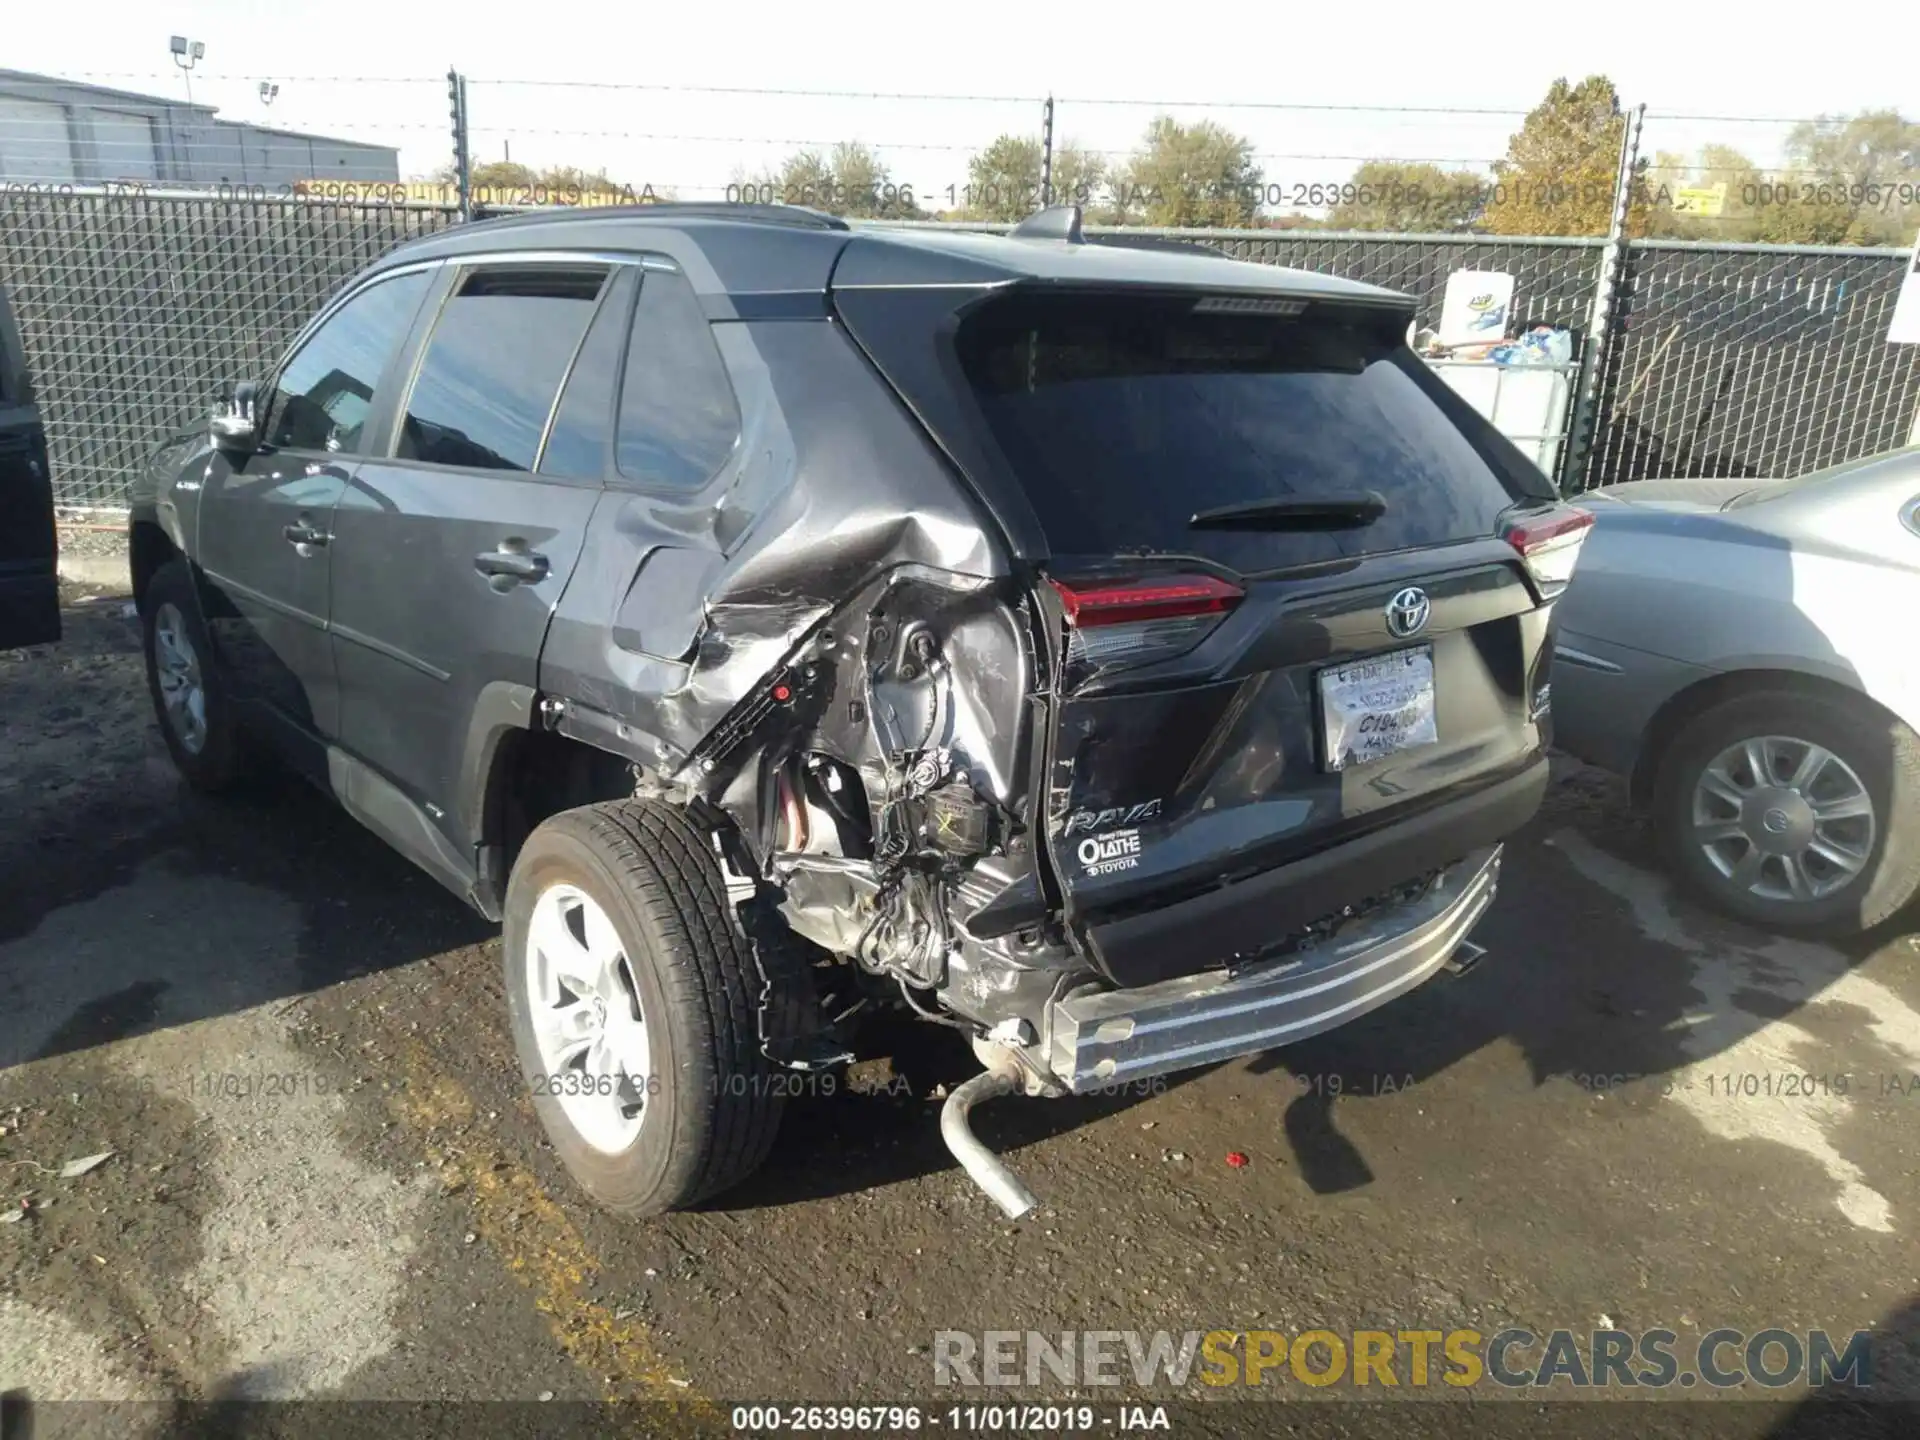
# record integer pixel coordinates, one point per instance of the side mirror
(232, 423)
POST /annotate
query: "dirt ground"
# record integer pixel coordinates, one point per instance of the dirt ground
(326, 1184)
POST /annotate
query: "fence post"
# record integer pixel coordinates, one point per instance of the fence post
(1046, 154)
(1600, 326)
(462, 154)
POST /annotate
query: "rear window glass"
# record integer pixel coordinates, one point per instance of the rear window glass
(1124, 417)
(494, 365)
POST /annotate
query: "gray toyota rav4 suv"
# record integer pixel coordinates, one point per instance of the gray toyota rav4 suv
(1128, 656)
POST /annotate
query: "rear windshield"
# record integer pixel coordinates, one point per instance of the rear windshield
(1123, 417)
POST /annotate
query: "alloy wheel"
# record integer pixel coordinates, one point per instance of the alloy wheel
(183, 691)
(587, 1021)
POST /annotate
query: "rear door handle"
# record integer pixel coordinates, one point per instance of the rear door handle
(511, 565)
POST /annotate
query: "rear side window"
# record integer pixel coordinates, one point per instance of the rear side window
(678, 417)
(1123, 417)
(324, 394)
(581, 436)
(499, 351)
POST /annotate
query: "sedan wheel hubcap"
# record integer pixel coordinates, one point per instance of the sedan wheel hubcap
(183, 695)
(1783, 818)
(587, 1021)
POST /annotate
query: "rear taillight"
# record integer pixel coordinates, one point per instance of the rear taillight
(1549, 543)
(1116, 624)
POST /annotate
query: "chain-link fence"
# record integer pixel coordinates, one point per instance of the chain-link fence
(1754, 360)
(134, 309)
(1552, 279)
(1727, 360)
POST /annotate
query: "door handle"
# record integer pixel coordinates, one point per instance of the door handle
(512, 564)
(303, 535)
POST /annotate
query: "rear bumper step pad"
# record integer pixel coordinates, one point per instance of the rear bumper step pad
(1115, 1036)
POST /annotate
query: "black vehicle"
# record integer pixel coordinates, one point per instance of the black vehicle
(29, 583)
(1132, 657)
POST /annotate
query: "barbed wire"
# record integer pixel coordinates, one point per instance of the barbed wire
(664, 87)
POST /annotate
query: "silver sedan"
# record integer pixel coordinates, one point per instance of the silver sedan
(1745, 652)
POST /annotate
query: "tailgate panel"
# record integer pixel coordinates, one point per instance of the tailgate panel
(1167, 786)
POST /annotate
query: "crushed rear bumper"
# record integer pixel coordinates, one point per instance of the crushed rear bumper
(1108, 1038)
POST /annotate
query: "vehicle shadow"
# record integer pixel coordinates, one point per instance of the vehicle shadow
(1888, 1405)
(176, 907)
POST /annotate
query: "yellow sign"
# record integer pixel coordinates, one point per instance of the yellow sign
(1707, 201)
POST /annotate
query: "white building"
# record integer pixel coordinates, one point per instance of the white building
(54, 130)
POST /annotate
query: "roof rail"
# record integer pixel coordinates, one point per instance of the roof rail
(795, 215)
(1056, 222)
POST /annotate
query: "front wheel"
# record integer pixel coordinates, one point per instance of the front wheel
(634, 1003)
(190, 698)
(1796, 812)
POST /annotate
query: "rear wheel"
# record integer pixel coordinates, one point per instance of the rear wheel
(634, 1004)
(1793, 811)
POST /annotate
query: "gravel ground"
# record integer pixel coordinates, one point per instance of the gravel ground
(1544, 1142)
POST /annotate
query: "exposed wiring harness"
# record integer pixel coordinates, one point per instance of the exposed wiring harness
(906, 994)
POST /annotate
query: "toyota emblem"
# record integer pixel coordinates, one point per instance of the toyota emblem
(1407, 612)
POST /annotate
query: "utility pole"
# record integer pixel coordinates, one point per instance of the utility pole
(462, 156)
(1600, 319)
(1046, 154)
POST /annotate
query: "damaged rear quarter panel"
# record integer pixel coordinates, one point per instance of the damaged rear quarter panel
(683, 603)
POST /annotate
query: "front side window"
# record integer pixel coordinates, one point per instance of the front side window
(491, 371)
(678, 417)
(324, 394)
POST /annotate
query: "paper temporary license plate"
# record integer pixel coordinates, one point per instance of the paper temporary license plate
(1373, 708)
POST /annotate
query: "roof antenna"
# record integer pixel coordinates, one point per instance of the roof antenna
(1056, 222)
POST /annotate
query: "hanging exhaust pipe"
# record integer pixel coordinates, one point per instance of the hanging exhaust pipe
(1465, 956)
(979, 1162)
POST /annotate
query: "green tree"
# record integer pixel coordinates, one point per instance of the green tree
(1558, 174)
(567, 178)
(1407, 197)
(850, 179)
(1080, 178)
(1201, 174)
(1003, 180)
(489, 172)
(503, 173)
(1848, 181)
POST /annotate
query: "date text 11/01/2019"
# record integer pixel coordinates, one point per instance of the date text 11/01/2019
(1765, 1085)
(786, 1084)
(1044, 1419)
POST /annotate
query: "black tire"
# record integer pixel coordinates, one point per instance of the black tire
(1881, 751)
(713, 1117)
(221, 760)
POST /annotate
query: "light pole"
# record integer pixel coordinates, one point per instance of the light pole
(186, 54)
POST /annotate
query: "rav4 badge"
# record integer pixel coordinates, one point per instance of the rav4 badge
(1084, 820)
